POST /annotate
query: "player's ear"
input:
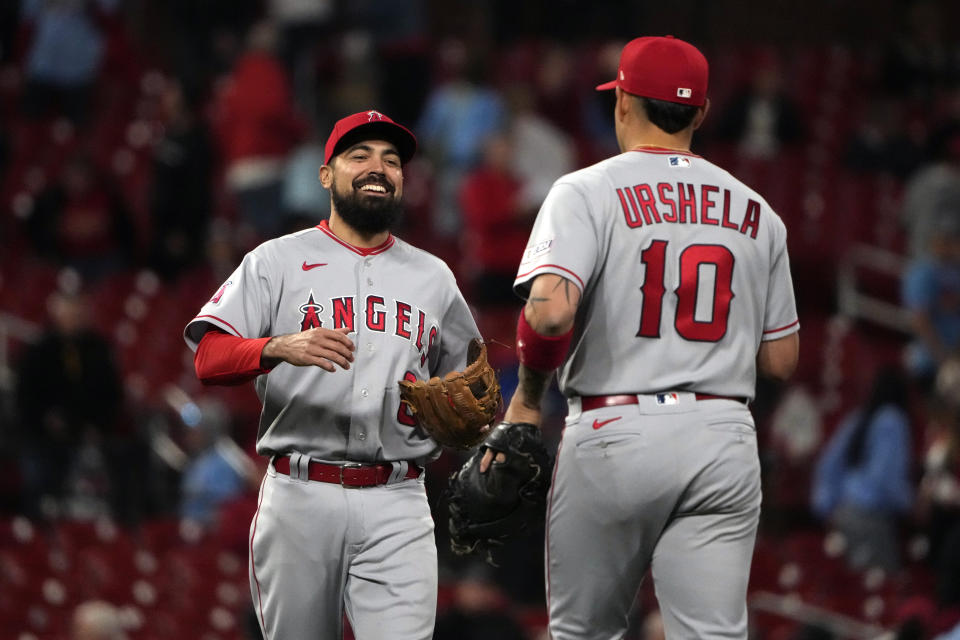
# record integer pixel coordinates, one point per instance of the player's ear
(701, 114)
(326, 176)
(623, 104)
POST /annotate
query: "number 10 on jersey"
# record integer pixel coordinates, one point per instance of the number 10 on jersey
(693, 259)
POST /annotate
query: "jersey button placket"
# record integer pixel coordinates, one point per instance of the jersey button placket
(363, 284)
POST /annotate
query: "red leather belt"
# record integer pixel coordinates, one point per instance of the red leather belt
(348, 475)
(588, 403)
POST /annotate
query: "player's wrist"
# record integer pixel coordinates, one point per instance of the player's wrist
(519, 410)
(272, 353)
(541, 352)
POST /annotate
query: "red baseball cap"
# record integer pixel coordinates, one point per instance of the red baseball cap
(369, 125)
(663, 68)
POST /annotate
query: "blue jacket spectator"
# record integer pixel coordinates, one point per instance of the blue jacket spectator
(65, 53)
(931, 292)
(861, 483)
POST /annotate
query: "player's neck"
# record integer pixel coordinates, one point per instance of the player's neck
(653, 137)
(348, 234)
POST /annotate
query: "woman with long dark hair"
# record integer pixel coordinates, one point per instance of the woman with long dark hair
(861, 484)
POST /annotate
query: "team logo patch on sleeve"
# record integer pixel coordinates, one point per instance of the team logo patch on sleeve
(678, 161)
(219, 294)
(534, 251)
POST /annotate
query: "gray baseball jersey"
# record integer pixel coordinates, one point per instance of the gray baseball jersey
(683, 272)
(680, 310)
(318, 549)
(408, 319)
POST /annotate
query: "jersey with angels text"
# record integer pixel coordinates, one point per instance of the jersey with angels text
(407, 319)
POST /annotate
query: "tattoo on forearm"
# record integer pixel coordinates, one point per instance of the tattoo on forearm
(532, 385)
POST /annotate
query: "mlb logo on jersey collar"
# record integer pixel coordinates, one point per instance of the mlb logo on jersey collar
(679, 161)
(668, 398)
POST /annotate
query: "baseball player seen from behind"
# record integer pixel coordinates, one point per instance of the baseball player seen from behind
(327, 321)
(658, 284)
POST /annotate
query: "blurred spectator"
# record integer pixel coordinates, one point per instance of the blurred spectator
(217, 470)
(305, 201)
(65, 54)
(921, 58)
(600, 135)
(931, 293)
(932, 195)
(479, 610)
(402, 47)
(356, 74)
(496, 225)
(541, 152)
(761, 118)
(557, 96)
(301, 25)
(97, 620)
(861, 483)
(939, 494)
(884, 142)
(82, 221)
(181, 196)
(257, 126)
(459, 115)
(69, 401)
(202, 38)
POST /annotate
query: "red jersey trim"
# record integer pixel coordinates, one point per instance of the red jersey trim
(363, 251)
(665, 151)
(230, 326)
(787, 326)
(549, 266)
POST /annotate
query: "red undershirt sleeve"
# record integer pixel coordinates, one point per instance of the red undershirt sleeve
(225, 359)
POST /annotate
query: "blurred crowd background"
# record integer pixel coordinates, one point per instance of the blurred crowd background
(146, 145)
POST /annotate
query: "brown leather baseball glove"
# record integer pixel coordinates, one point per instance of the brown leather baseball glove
(457, 410)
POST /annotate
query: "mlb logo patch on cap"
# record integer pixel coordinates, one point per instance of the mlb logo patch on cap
(683, 92)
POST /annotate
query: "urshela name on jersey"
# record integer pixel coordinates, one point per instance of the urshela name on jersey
(684, 203)
(395, 317)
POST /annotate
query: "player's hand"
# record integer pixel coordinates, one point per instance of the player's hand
(517, 411)
(487, 459)
(320, 347)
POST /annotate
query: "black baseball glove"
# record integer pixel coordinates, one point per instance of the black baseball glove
(488, 508)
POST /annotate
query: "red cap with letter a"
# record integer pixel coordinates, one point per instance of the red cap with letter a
(369, 125)
(662, 68)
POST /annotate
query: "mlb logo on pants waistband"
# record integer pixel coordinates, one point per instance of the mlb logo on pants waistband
(668, 398)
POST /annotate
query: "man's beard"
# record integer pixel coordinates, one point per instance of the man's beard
(368, 215)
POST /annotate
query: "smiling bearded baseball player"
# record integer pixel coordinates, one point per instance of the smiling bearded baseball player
(658, 285)
(328, 320)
